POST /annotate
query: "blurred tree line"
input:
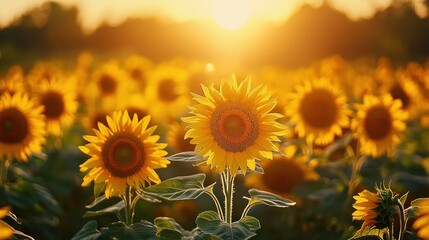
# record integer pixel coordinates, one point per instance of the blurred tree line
(310, 34)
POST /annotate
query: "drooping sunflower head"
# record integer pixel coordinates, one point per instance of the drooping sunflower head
(22, 126)
(319, 111)
(123, 153)
(58, 97)
(176, 138)
(234, 125)
(282, 174)
(167, 92)
(421, 224)
(375, 209)
(378, 124)
(366, 206)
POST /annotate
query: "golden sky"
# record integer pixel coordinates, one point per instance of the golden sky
(94, 12)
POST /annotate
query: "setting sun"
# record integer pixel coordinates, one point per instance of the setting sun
(231, 14)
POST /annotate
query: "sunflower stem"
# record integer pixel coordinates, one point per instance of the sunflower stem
(217, 203)
(228, 190)
(4, 170)
(356, 167)
(391, 231)
(402, 219)
(128, 206)
(247, 208)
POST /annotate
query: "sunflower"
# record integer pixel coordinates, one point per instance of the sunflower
(43, 71)
(378, 124)
(138, 69)
(282, 174)
(22, 126)
(366, 206)
(123, 152)
(5, 231)
(233, 126)
(176, 138)
(319, 111)
(407, 92)
(422, 222)
(59, 101)
(167, 92)
(109, 83)
(12, 84)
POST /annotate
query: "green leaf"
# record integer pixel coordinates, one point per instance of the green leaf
(197, 234)
(180, 188)
(119, 230)
(269, 199)
(370, 237)
(46, 199)
(168, 228)
(88, 232)
(370, 234)
(186, 157)
(251, 222)
(148, 198)
(96, 202)
(21, 194)
(210, 223)
(108, 210)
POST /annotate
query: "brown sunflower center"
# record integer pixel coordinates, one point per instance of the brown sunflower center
(282, 175)
(167, 90)
(398, 92)
(107, 84)
(54, 105)
(13, 126)
(378, 122)
(123, 155)
(318, 108)
(234, 127)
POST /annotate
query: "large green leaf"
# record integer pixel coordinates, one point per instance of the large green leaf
(210, 223)
(269, 199)
(180, 188)
(119, 230)
(114, 209)
(46, 199)
(186, 157)
(251, 222)
(88, 232)
(370, 234)
(96, 202)
(197, 234)
(168, 228)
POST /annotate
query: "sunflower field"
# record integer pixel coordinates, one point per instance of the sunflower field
(125, 144)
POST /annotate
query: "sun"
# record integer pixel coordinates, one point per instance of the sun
(231, 15)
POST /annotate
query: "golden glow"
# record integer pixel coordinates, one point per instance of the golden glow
(92, 13)
(231, 14)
